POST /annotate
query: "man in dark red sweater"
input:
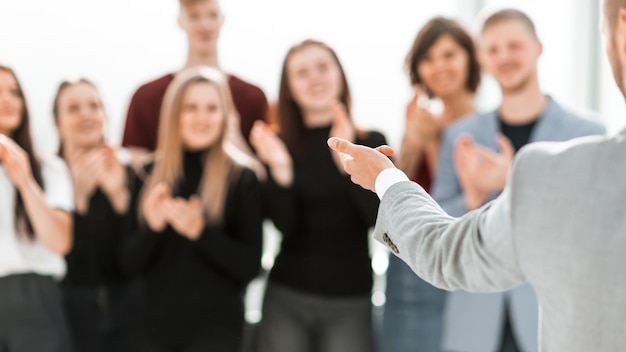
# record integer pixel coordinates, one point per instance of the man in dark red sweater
(201, 20)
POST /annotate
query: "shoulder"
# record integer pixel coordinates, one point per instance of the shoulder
(548, 159)
(582, 123)
(54, 169)
(371, 138)
(244, 182)
(245, 89)
(154, 88)
(57, 181)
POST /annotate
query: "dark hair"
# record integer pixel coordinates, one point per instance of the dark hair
(55, 105)
(290, 119)
(21, 136)
(428, 36)
(510, 15)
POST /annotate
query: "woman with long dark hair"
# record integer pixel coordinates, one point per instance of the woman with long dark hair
(442, 65)
(318, 294)
(35, 232)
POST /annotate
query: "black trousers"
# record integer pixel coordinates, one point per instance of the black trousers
(104, 318)
(210, 339)
(31, 315)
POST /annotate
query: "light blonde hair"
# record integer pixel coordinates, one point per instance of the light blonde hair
(222, 161)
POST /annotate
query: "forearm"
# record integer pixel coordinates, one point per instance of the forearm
(51, 226)
(474, 252)
(120, 200)
(279, 204)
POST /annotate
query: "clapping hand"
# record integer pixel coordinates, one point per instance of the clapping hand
(15, 161)
(99, 167)
(421, 126)
(185, 216)
(272, 151)
(481, 170)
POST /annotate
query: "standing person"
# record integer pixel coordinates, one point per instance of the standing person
(318, 293)
(200, 222)
(201, 20)
(559, 225)
(101, 303)
(35, 232)
(471, 173)
(442, 64)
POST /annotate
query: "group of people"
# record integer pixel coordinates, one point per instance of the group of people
(151, 247)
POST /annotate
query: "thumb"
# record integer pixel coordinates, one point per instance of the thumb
(386, 150)
(506, 148)
(342, 145)
(194, 201)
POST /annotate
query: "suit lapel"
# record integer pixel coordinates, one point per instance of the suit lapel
(548, 126)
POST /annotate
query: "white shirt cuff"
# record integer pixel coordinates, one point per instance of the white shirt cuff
(387, 178)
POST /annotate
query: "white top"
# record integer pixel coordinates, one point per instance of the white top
(387, 178)
(19, 254)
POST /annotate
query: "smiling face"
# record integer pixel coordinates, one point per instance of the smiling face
(80, 115)
(202, 116)
(11, 103)
(201, 21)
(315, 79)
(444, 68)
(509, 51)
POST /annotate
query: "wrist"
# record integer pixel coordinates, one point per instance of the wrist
(282, 174)
(120, 201)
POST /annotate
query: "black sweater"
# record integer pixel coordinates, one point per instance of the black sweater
(325, 220)
(97, 235)
(195, 285)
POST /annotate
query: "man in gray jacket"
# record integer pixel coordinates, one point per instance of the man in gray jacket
(559, 224)
(474, 159)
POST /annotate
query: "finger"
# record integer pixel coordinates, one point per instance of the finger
(505, 145)
(194, 201)
(160, 191)
(419, 91)
(343, 146)
(259, 124)
(422, 99)
(386, 150)
(464, 143)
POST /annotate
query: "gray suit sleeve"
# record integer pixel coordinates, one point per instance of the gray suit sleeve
(446, 188)
(475, 252)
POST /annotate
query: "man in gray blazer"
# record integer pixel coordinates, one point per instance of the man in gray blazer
(560, 224)
(509, 50)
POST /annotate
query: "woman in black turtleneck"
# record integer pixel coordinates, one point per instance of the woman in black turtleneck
(318, 294)
(198, 242)
(101, 302)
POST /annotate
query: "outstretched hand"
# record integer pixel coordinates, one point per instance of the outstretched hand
(363, 164)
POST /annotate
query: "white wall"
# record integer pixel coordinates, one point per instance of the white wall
(121, 44)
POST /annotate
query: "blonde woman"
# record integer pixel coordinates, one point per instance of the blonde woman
(200, 223)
